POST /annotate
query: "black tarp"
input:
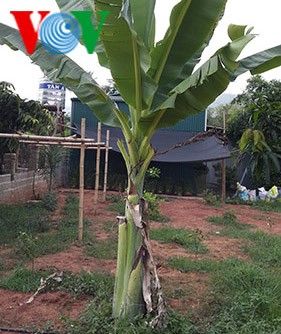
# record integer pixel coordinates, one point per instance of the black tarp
(208, 149)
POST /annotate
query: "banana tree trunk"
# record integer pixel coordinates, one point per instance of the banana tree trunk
(135, 265)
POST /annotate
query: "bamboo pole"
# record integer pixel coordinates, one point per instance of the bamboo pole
(105, 165)
(97, 165)
(81, 184)
(74, 145)
(46, 138)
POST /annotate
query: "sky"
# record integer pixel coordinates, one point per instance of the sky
(264, 16)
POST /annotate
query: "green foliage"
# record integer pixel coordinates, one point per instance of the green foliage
(50, 201)
(153, 210)
(153, 173)
(36, 118)
(215, 116)
(185, 265)
(17, 114)
(262, 102)
(188, 239)
(211, 199)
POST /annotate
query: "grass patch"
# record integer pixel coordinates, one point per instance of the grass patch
(85, 283)
(231, 227)
(228, 219)
(23, 280)
(110, 226)
(185, 265)
(92, 284)
(272, 206)
(264, 249)
(248, 299)
(31, 218)
(62, 235)
(188, 239)
(106, 249)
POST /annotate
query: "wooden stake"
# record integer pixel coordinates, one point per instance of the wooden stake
(97, 165)
(81, 184)
(105, 165)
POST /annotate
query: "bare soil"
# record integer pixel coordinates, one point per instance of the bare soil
(50, 307)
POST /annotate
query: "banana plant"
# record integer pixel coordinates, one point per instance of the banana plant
(162, 83)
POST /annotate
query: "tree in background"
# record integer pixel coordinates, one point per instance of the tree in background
(10, 116)
(36, 118)
(19, 115)
(215, 115)
(159, 83)
(260, 127)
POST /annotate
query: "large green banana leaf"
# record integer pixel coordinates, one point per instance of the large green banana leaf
(260, 62)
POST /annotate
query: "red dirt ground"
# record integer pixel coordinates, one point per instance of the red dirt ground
(49, 307)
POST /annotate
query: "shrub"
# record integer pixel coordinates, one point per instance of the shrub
(50, 201)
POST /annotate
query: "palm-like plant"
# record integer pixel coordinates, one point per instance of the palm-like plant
(161, 85)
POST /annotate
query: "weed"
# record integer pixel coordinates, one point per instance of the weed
(211, 199)
(188, 239)
(184, 264)
(26, 246)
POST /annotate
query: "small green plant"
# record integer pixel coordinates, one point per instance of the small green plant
(26, 246)
(188, 239)
(50, 201)
(153, 173)
(153, 210)
(211, 199)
